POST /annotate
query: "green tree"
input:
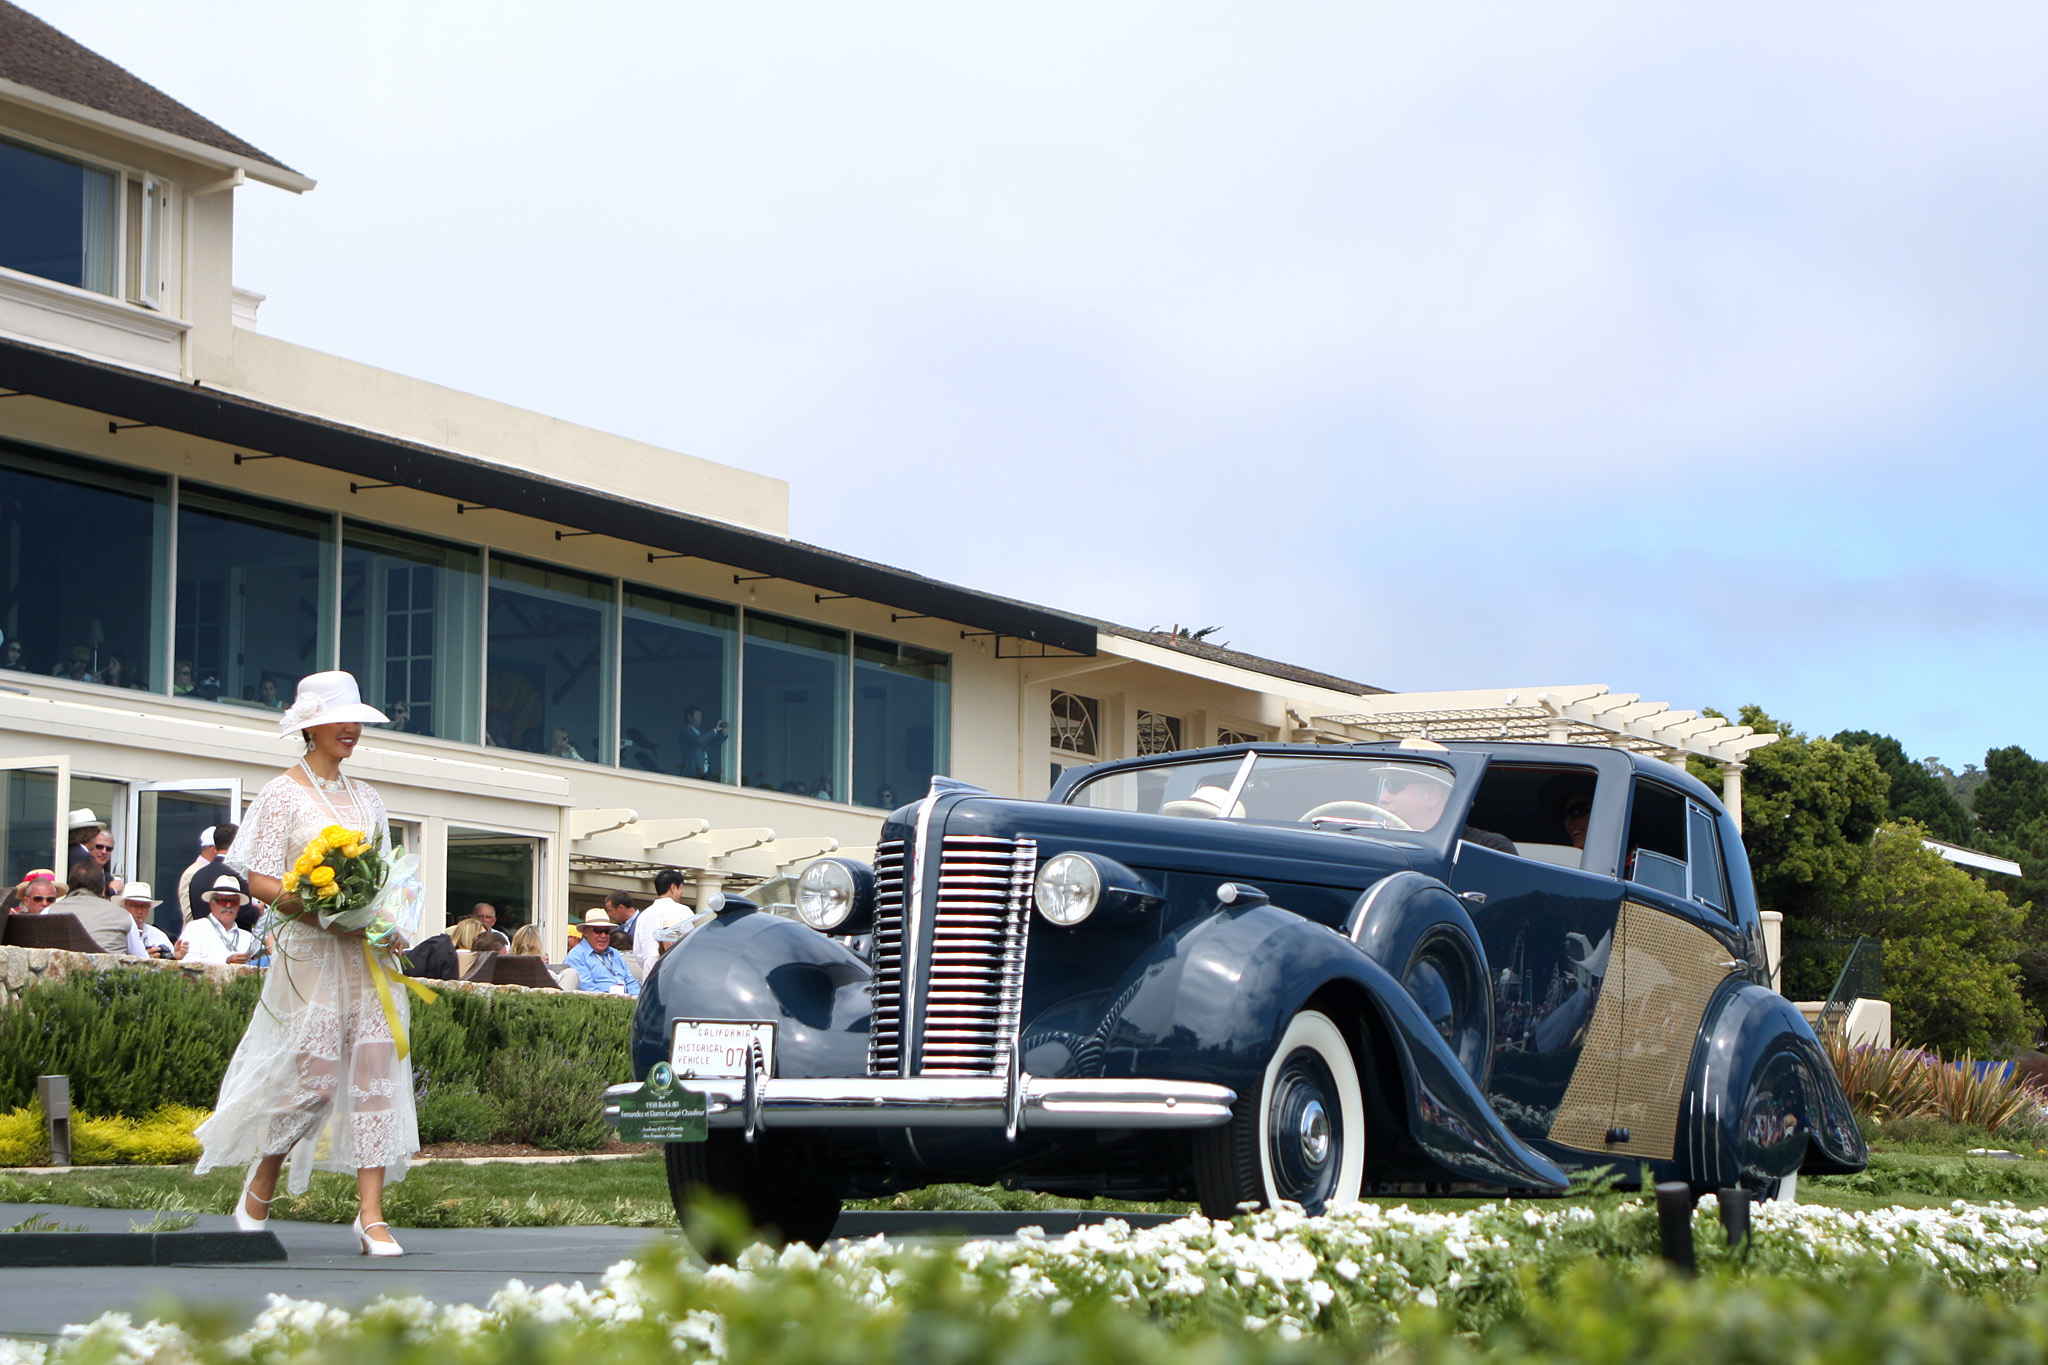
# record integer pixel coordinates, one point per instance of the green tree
(1809, 806)
(1915, 792)
(2013, 793)
(1951, 945)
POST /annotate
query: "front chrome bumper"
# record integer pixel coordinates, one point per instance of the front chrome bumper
(1025, 1102)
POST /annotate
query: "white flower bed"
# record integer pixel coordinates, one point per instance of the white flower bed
(1276, 1271)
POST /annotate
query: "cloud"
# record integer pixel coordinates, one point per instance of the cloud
(1694, 349)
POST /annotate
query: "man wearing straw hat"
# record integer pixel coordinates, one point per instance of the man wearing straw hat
(216, 939)
(144, 938)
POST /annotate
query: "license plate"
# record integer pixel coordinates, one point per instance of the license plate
(706, 1048)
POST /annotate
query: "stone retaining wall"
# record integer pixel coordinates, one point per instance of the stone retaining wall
(22, 969)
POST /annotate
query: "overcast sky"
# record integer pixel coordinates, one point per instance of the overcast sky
(1694, 350)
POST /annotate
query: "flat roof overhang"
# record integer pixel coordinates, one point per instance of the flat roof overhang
(246, 424)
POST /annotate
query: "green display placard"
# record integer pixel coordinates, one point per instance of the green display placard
(661, 1110)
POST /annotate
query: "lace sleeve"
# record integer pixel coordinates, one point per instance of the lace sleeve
(263, 844)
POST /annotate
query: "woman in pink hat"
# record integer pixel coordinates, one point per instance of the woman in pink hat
(318, 1079)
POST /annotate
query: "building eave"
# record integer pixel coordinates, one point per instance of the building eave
(248, 425)
(190, 149)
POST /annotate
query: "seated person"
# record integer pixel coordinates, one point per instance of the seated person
(215, 939)
(599, 966)
(38, 891)
(105, 920)
(1417, 795)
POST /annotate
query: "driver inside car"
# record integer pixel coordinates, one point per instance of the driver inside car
(1418, 796)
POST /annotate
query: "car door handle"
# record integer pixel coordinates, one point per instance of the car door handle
(1475, 899)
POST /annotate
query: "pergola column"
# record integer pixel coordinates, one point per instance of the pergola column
(1731, 790)
(703, 884)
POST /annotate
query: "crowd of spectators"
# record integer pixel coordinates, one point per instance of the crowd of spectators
(610, 950)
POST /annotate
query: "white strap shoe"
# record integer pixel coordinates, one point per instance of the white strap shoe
(371, 1245)
(243, 1221)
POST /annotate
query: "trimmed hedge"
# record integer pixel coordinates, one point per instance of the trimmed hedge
(496, 1066)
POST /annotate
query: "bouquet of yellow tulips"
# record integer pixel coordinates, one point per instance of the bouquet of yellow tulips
(340, 878)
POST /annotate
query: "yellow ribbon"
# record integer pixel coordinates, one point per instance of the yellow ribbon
(382, 974)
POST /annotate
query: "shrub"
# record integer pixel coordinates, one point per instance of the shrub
(1900, 1083)
(555, 1107)
(458, 1113)
(24, 1137)
(164, 1138)
(130, 1041)
(134, 1041)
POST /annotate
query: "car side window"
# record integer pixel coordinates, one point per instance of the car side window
(1709, 877)
(1674, 846)
(1542, 809)
(1657, 839)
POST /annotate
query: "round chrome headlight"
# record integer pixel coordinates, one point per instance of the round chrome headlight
(824, 895)
(1067, 889)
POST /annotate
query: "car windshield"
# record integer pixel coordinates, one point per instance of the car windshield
(1353, 792)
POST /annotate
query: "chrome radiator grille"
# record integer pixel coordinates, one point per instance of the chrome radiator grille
(973, 983)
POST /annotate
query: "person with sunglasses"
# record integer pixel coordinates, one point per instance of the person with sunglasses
(37, 892)
(599, 966)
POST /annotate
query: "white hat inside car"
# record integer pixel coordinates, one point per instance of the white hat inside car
(330, 698)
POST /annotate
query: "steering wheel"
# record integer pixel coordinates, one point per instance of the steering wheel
(1356, 810)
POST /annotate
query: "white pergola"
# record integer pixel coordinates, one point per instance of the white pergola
(1584, 714)
(617, 840)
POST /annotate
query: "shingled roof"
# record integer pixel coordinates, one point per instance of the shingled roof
(38, 56)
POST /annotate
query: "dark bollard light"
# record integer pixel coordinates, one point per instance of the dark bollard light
(1735, 1214)
(55, 1093)
(1674, 1223)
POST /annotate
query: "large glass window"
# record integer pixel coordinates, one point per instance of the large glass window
(411, 617)
(28, 822)
(548, 678)
(80, 546)
(255, 598)
(678, 659)
(56, 218)
(901, 720)
(794, 732)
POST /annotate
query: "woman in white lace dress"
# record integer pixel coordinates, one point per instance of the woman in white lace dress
(317, 1079)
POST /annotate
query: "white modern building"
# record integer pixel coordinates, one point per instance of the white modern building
(606, 657)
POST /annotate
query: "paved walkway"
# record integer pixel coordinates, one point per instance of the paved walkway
(446, 1265)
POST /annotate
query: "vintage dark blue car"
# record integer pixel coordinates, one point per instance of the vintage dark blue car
(1251, 974)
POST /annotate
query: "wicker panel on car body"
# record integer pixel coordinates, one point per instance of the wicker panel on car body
(1640, 1041)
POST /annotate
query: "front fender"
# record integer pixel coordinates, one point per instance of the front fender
(1763, 1100)
(1211, 1003)
(757, 966)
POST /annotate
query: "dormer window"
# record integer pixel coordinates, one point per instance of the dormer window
(91, 227)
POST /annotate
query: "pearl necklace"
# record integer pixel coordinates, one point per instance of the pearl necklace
(321, 786)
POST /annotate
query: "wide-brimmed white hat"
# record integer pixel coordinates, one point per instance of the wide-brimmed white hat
(598, 919)
(226, 885)
(83, 818)
(328, 699)
(138, 891)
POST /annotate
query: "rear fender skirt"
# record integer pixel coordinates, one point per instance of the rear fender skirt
(1762, 1099)
(1211, 1002)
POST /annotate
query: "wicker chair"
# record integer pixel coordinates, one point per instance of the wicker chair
(49, 931)
(522, 969)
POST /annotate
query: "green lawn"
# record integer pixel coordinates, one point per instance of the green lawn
(1917, 1164)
